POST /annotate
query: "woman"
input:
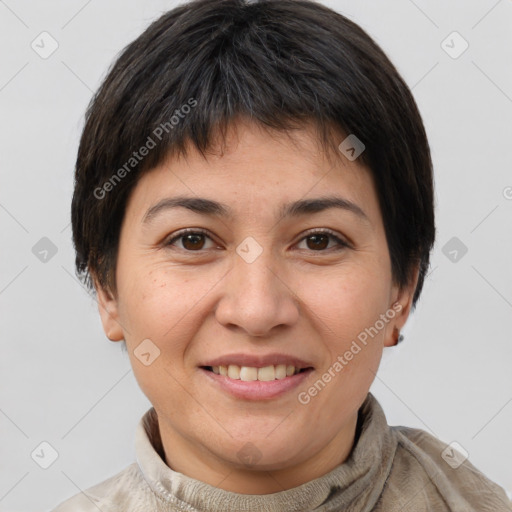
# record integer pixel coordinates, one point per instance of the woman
(254, 207)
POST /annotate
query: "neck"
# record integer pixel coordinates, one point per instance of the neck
(196, 461)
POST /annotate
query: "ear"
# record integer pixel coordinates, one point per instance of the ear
(108, 309)
(401, 303)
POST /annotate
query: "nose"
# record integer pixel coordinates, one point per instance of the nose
(256, 298)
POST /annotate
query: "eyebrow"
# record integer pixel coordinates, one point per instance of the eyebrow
(214, 208)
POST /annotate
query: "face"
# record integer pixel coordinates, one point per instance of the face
(261, 273)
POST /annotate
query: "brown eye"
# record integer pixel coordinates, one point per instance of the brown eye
(319, 241)
(316, 242)
(191, 240)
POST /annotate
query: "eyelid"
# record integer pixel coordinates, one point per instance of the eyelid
(183, 232)
(342, 243)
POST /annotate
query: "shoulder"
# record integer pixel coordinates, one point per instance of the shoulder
(442, 473)
(116, 493)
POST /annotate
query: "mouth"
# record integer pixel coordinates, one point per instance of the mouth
(256, 383)
(262, 374)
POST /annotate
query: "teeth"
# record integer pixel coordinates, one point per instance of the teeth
(267, 373)
(233, 371)
(248, 373)
(281, 371)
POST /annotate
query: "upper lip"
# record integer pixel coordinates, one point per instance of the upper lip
(257, 361)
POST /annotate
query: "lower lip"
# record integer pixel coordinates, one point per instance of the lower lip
(256, 389)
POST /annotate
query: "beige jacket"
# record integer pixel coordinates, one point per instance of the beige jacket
(390, 469)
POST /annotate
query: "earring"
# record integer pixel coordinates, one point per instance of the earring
(398, 337)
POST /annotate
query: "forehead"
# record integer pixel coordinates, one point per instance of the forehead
(254, 166)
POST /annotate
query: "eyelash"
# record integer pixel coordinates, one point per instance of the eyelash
(198, 231)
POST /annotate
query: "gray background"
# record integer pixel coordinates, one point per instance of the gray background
(64, 383)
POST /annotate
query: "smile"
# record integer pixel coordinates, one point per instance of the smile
(245, 382)
(251, 373)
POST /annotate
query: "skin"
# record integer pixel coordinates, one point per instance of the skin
(196, 301)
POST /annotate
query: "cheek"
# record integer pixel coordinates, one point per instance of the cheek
(344, 310)
(162, 303)
(347, 301)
